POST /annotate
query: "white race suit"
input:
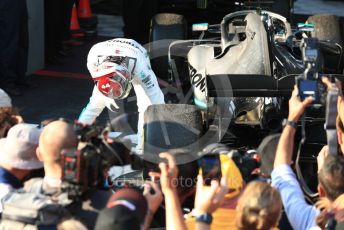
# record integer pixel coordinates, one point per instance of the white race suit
(144, 81)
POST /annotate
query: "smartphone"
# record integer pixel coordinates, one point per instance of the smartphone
(211, 168)
(309, 88)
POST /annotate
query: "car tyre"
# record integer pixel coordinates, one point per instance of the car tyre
(164, 26)
(328, 27)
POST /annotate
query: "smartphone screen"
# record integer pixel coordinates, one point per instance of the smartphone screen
(211, 168)
(308, 88)
(311, 54)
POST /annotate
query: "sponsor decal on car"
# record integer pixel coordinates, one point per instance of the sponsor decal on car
(197, 79)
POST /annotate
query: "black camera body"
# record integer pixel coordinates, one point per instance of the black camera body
(247, 162)
(81, 171)
(85, 170)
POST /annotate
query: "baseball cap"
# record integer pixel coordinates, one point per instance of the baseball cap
(18, 149)
(5, 100)
(126, 209)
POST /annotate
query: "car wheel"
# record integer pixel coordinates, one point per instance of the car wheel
(327, 27)
(171, 126)
(168, 27)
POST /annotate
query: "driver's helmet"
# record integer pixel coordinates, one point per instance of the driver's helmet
(112, 80)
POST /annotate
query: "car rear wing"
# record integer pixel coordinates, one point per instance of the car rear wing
(251, 85)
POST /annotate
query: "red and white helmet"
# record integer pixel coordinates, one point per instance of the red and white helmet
(112, 80)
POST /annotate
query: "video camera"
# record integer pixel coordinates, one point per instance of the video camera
(309, 83)
(85, 170)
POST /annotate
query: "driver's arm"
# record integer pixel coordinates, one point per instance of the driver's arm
(94, 107)
(300, 214)
(146, 85)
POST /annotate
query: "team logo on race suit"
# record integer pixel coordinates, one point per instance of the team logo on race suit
(146, 79)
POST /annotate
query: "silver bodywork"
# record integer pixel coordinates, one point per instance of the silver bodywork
(250, 56)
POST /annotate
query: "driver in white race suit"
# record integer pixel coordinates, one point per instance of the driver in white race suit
(115, 66)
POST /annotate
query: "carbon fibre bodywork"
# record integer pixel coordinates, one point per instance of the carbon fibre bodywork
(246, 45)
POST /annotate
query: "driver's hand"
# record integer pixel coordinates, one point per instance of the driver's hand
(296, 106)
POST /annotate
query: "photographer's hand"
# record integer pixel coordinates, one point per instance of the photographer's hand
(154, 200)
(208, 199)
(285, 146)
(321, 157)
(340, 102)
(168, 181)
(297, 107)
(169, 173)
(330, 84)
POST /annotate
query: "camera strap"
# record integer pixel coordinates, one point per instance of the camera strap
(331, 132)
(331, 116)
(302, 181)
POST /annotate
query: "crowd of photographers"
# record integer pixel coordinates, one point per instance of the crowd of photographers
(177, 197)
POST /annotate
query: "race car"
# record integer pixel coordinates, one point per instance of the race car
(240, 74)
(255, 49)
(193, 11)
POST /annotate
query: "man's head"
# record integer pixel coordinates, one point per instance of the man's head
(8, 114)
(111, 77)
(55, 137)
(5, 100)
(259, 207)
(8, 117)
(331, 177)
(126, 209)
(18, 149)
